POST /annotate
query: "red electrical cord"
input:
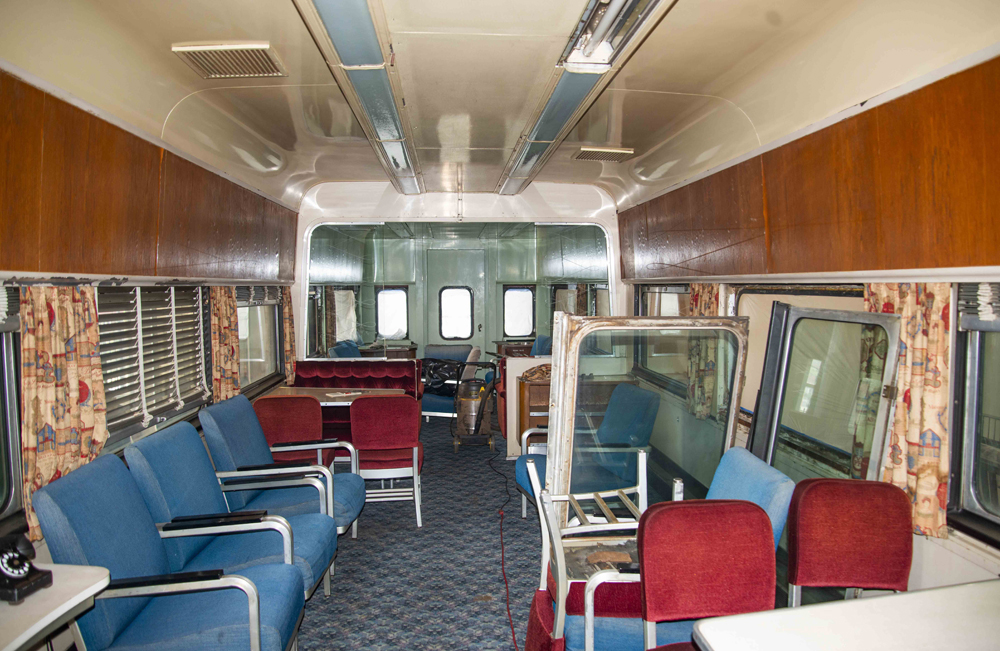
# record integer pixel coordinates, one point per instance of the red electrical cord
(503, 570)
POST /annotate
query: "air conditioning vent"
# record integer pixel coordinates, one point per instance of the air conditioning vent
(604, 154)
(231, 59)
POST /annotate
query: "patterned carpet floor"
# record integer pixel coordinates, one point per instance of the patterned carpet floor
(440, 586)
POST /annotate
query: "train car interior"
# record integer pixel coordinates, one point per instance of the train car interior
(575, 325)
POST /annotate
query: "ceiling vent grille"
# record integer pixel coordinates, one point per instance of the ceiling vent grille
(604, 154)
(230, 60)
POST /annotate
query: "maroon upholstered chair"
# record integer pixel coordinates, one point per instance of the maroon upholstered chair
(848, 533)
(293, 419)
(386, 433)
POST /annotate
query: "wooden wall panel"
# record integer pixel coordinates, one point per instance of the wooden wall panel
(714, 226)
(211, 228)
(21, 109)
(823, 200)
(909, 184)
(932, 163)
(632, 233)
(100, 199)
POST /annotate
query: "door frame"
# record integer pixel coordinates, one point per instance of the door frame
(784, 318)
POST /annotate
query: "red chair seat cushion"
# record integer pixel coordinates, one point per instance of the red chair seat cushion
(385, 459)
(677, 646)
(610, 599)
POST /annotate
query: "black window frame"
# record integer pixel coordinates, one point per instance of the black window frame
(10, 402)
(472, 313)
(966, 520)
(534, 312)
(406, 293)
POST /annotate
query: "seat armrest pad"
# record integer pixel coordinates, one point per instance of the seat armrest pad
(287, 444)
(165, 579)
(213, 520)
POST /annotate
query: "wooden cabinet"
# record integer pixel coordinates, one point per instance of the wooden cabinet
(514, 348)
(390, 352)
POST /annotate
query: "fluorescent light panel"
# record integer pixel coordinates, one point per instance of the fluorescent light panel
(572, 88)
(350, 27)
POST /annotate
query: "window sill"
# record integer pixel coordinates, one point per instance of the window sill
(976, 527)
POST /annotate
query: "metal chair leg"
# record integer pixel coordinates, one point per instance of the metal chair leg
(524, 507)
(326, 584)
(354, 529)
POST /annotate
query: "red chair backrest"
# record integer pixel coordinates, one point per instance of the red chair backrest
(849, 533)
(289, 418)
(385, 422)
(705, 558)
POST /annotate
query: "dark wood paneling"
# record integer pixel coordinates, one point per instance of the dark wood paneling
(932, 163)
(21, 109)
(823, 201)
(100, 201)
(714, 226)
(212, 228)
(632, 233)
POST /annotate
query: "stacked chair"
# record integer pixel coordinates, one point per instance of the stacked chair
(607, 607)
(243, 459)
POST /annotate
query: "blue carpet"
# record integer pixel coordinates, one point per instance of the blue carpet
(438, 587)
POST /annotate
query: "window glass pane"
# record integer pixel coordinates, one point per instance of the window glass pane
(665, 303)
(566, 301)
(986, 461)
(258, 343)
(392, 321)
(831, 399)
(456, 313)
(518, 310)
(621, 409)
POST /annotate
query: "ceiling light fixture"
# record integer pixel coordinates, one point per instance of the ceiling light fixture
(606, 35)
(359, 66)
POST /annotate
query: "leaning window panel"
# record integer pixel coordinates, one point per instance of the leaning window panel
(652, 401)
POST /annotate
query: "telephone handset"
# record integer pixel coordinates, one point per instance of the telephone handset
(18, 577)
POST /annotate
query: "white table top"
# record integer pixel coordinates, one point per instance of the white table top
(44, 611)
(330, 397)
(963, 617)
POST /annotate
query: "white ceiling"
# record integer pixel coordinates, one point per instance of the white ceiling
(716, 79)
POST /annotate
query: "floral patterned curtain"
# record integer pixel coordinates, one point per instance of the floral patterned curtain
(225, 343)
(288, 329)
(702, 353)
(918, 446)
(63, 424)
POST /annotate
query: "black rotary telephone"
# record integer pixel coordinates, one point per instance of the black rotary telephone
(18, 577)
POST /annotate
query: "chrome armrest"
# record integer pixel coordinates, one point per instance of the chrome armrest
(186, 582)
(282, 478)
(214, 525)
(528, 433)
(589, 590)
(326, 444)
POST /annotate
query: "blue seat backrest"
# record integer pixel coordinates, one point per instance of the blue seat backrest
(175, 477)
(630, 416)
(96, 516)
(235, 439)
(345, 349)
(742, 476)
(542, 346)
(457, 352)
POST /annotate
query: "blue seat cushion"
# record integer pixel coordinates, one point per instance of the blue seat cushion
(587, 476)
(432, 403)
(541, 346)
(218, 620)
(521, 471)
(348, 499)
(315, 543)
(345, 350)
(455, 352)
(624, 633)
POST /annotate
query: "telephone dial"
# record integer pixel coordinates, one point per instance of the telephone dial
(18, 577)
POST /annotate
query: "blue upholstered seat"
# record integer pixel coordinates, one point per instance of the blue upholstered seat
(175, 477)
(623, 633)
(541, 346)
(345, 350)
(432, 403)
(235, 439)
(742, 476)
(96, 516)
(628, 422)
(456, 352)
